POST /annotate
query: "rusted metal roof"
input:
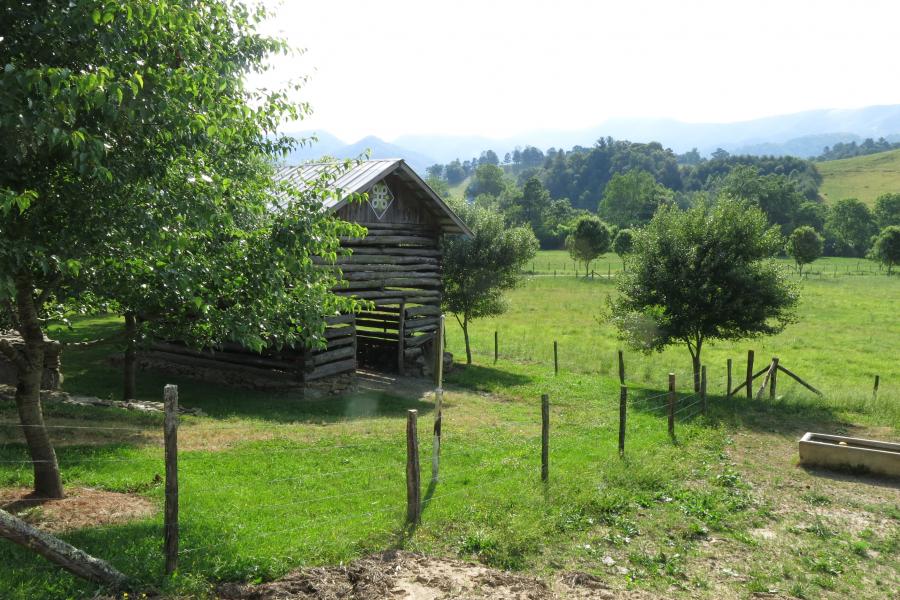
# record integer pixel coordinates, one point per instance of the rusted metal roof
(346, 180)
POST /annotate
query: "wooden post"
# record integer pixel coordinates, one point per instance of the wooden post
(621, 368)
(413, 485)
(703, 387)
(623, 400)
(436, 446)
(496, 347)
(875, 389)
(59, 552)
(401, 335)
(728, 381)
(772, 380)
(545, 437)
(170, 433)
(609, 270)
(439, 355)
(749, 374)
(555, 358)
(672, 405)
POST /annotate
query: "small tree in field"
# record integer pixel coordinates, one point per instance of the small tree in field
(589, 239)
(805, 245)
(886, 248)
(623, 244)
(703, 274)
(478, 269)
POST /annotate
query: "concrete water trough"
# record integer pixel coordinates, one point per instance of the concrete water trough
(837, 451)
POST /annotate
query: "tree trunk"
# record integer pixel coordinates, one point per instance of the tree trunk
(465, 328)
(130, 365)
(47, 481)
(695, 362)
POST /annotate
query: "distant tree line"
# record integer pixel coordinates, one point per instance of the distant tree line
(851, 149)
(625, 183)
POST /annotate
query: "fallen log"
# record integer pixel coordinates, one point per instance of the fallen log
(55, 550)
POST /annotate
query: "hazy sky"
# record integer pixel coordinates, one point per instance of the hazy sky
(496, 68)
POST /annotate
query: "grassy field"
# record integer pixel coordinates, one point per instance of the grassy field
(862, 177)
(271, 482)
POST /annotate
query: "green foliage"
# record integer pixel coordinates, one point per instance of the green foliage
(887, 210)
(886, 248)
(803, 173)
(850, 227)
(624, 242)
(805, 245)
(630, 199)
(703, 274)
(488, 179)
(589, 239)
(478, 269)
(776, 195)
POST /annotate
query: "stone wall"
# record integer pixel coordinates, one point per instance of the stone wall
(51, 378)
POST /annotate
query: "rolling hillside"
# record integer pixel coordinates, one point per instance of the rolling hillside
(862, 177)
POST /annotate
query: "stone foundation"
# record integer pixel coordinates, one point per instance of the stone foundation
(51, 378)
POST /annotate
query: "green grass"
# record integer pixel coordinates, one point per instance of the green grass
(862, 177)
(846, 334)
(270, 482)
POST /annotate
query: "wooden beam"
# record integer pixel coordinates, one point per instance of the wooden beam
(800, 381)
(334, 368)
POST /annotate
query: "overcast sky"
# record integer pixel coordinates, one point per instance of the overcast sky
(497, 68)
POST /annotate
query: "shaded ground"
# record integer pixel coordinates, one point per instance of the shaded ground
(82, 507)
(408, 576)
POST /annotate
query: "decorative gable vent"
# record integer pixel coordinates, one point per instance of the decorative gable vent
(380, 199)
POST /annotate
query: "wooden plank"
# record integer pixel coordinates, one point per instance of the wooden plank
(365, 258)
(545, 437)
(336, 332)
(396, 251)
(377, 335)
(332, 355)
(334, 368)
(254, 360)
(378, 276)
(414, 226)
(339, 319)
(796, 378)
(418, 340)
(390, 240)
(401, 333)
(752, 378)
(193, 361)
(377, 323)
(418, 311)
(388, 267)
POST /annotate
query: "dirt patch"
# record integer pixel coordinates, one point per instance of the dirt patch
(407, 576)
(82, 507)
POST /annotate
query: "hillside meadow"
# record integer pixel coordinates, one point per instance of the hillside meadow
(270, 482)
(862, 177)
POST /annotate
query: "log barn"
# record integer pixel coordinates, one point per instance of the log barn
(397, 266)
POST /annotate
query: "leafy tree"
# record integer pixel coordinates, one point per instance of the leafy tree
(439, 185)
(136, 150)
(703, 274)
(631, 199)
(454, 172)
(488, 157)
(777, 195)
(488, 179)
(435, 171)
(478, 269)
(805, 245)
(887, 210)
(850, 226)
(623, 243)
(589, 239)
(886, 248)
(813, 214)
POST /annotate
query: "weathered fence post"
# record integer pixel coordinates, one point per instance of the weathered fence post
(555, 358)
(703, 387)
(436, 445)
(772, 381)
(623, 400)
(749, 374)
(672, 405)
(728, 381)
(438, 354)
(170, 435)
(545, 437)
(496, 347)
(413, 485)
(875, 389)
(621, 368)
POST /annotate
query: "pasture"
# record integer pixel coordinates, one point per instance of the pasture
(272, 482)
(861, 177)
